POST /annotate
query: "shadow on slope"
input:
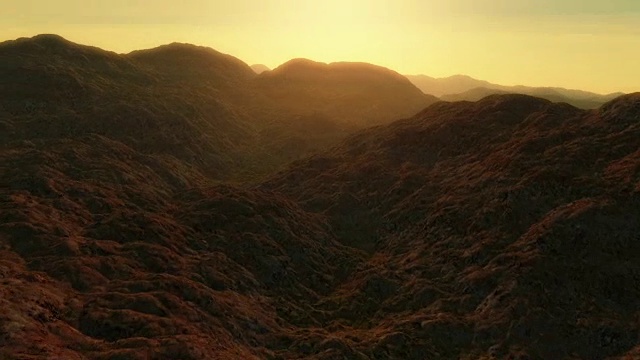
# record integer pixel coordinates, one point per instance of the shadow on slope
(498, 228)
(108, 253)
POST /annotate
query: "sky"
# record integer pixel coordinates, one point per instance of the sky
(585, 44)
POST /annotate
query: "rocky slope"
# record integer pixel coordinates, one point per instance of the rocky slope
(110, 254)
(498, 229)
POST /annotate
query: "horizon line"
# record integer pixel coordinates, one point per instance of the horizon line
(442, 77)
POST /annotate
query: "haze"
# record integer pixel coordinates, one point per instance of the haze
(590, 45)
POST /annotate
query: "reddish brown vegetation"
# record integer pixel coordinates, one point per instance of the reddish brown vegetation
(502, 228)
(190, 104)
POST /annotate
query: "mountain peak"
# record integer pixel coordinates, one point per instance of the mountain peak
(338, 71)
(260, 68)
(186, 61)
(50, 39)
(42, 42)
(300, 64)
(46, 50)
(460, 77)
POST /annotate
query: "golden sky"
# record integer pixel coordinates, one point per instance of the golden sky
(586, 44)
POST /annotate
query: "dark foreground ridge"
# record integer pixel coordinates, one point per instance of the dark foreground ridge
(497, 229)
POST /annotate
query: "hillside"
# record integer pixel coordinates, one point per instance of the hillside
(447, 86)
(190, 63)
(474, 94)
(497, 229)
(465, 88)
(110, 254)
(355, 94)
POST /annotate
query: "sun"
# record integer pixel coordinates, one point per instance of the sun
(334, 29)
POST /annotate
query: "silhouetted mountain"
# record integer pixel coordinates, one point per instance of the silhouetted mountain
(465, 88)
(259, 68)
(54, 89)
(177, 101)
(189, 63)
(353, 93)
(47, 68)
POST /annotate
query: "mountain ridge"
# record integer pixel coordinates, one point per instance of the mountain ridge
(381, 94)
(182, 60)
(182, 92)
(260, 68)
(463, 87)
(488, 200)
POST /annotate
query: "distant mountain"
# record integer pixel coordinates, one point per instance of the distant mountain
(54, 89)
(474, 94)
(259, 68)
(449, 85)
(358, 94)
(462, 87)
(108, 253)
(184, 100)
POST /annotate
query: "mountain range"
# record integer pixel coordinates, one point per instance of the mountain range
(173, 204)
(192, 103)
(466, 88)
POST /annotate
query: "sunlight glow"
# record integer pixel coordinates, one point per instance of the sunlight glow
(580, 44)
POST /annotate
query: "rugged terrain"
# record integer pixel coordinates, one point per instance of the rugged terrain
(499, 229)
(504, 228)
